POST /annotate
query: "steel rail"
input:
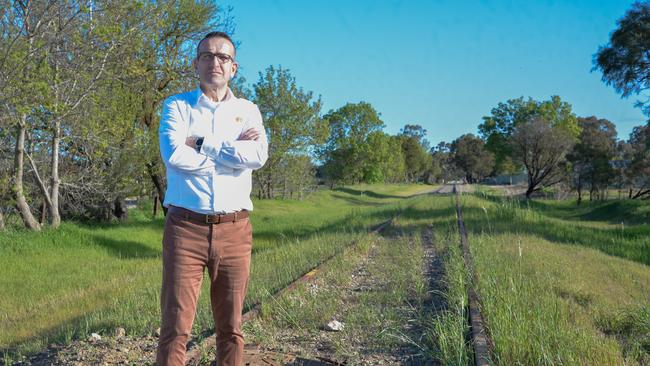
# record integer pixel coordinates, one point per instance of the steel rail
(480, 338)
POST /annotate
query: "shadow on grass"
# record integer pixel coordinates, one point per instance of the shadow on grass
(630, 243)
(627, 211)
(126, 249)
(156, 223)
(356, 192)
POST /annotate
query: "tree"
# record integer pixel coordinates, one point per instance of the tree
(625, 60)
(418, 132)
(470, 156)
(414, 149)
(345, 154)
(293, 126)
(298, 175)
(75, 76)
(443, 168)
(383, 159)
(638, 170)
(592, 154)
(541, 149)
(157, 64)
(498, 128)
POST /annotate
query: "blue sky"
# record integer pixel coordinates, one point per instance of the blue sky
(441, 64)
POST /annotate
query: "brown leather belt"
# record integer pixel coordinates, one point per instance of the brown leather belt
(208, 219)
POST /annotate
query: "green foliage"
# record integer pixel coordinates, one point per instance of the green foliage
(293, 125)
(415, 150)
(638, 169)
(384, 162)
(91, 77)
(624, 60)
(497, 129)
(471, 157)
(348, 149)
(591, 156)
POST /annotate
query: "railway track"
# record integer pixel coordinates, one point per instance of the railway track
(480, 339)
(193, 355)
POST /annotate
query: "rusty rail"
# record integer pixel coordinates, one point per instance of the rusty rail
(480, 338)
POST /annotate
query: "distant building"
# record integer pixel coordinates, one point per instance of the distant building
(507, 179)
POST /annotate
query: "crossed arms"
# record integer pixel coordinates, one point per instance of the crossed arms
(248, 151)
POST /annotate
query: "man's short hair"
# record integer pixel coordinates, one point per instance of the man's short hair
(217, 34)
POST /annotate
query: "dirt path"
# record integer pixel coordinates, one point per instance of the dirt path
(449, 188)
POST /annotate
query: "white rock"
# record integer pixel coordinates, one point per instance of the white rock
(334, 326)
(157, 332)
(120, 332)
(94, 337)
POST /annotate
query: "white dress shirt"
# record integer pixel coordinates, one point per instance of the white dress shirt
(218, 178)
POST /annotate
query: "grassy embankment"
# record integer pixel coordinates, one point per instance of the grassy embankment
(562, 284)
(64, 284)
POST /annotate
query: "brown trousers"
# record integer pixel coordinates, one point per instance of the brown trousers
(189, 247)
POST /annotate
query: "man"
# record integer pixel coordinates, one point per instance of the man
(210, 142)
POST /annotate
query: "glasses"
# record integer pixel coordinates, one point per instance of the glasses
(223, 58)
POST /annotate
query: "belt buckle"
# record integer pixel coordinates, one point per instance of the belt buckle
(211, 219)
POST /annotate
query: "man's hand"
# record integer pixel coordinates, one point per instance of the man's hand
(191, 141)
(250, 134)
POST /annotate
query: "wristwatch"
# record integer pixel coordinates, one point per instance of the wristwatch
(199, 143)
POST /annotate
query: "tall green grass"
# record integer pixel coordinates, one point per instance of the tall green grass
(553, 290)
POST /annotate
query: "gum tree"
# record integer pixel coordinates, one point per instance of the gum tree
(541, 148)
(625, 60)
(293, 125)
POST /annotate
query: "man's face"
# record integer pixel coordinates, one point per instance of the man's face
(215, 62)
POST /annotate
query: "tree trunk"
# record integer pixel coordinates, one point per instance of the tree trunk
(529, 192)
(157, 181)
(2, 221)
(19, 154)
(55, 216)
(21, 201)
(119, 209)
(579, 189)
(269, 186)
(43, 213)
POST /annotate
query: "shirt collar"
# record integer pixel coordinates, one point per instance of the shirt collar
(202, 99)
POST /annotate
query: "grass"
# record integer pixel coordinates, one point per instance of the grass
(559, 283)
(388, 305)
(553, 290)
(63, 284)
(377, 312)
